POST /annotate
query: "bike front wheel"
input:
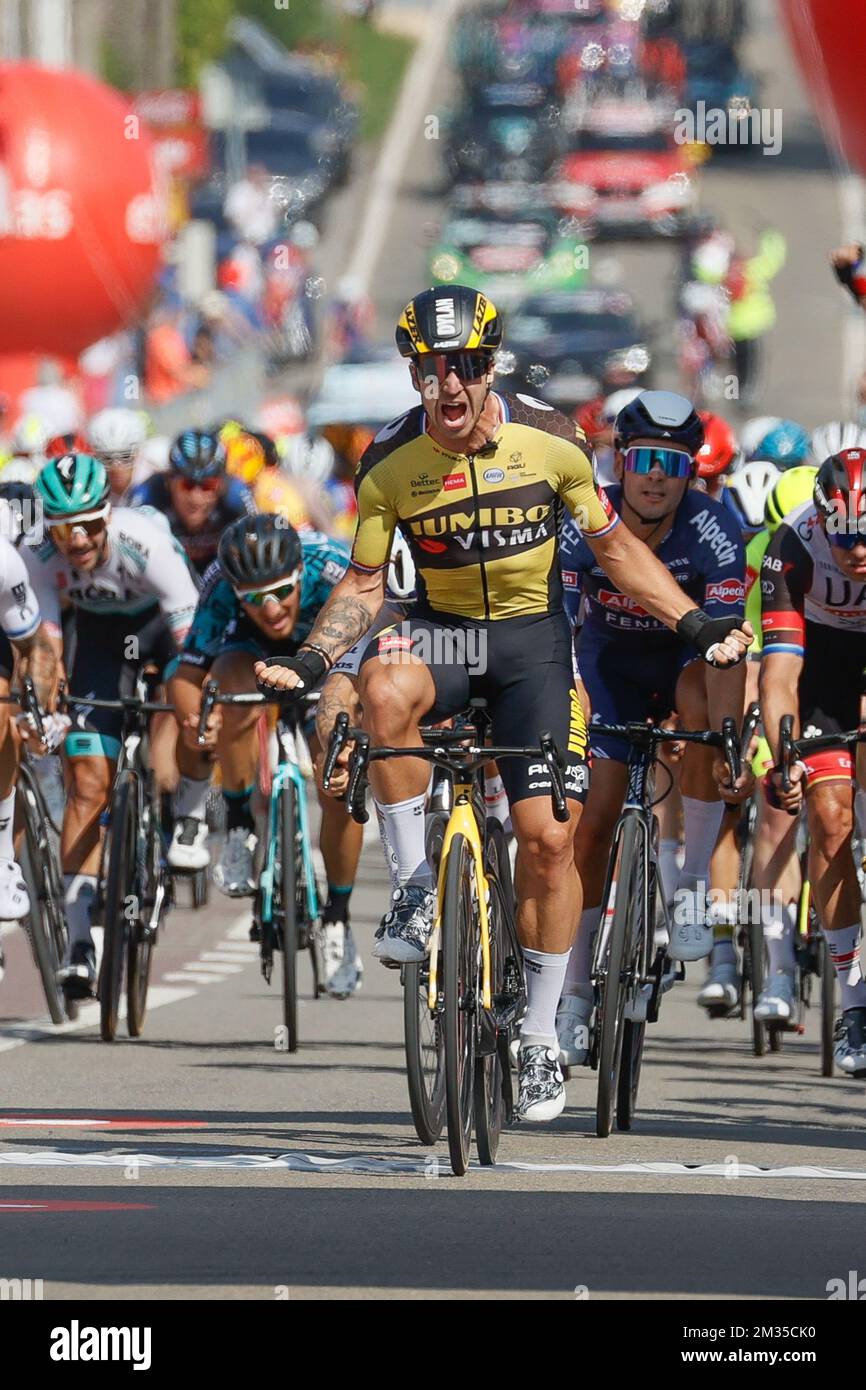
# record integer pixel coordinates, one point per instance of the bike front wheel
(460, 966)
(623, 933)
(286, 893)
(119, 899)
(45, 924)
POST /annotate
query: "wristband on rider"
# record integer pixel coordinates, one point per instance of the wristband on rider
(700, 630)
(314, 647)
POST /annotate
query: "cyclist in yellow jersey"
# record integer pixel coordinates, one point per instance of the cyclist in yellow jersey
(478, 481)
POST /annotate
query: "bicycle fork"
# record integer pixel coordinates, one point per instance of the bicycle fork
(462, 822)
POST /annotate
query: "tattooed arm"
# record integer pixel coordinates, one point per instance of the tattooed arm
(345, 617)
(337, 694)
(40, 657)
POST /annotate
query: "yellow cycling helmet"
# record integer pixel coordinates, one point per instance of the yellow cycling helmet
(449, 318)
(791, 491)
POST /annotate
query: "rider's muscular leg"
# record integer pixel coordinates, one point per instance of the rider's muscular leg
(340, 837)
(238, 739)
(184, 692)
(591, 852)
(396, 696)
(829, 808)
(549, 894)
(87, 797)
(702, 809)
(9, 745)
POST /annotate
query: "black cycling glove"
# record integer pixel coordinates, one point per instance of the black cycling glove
(310, 665)
(701, 631)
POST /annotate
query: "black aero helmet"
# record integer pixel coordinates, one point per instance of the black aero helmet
(197, 454)
(661, 415)
(449, 318)
(257, 550)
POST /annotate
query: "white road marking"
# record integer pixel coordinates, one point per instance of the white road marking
(16, 1035)
(191, 977)
(211, 967)
(431, 1165)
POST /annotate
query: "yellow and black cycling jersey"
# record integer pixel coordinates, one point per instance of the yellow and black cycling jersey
(483, 528)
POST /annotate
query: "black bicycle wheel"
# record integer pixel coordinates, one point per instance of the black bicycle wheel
(460, 964)
(425, 1055)
(755, 967)
(285, 898)
(629, 1072)
(490, 1101)
(140, 947)
(45, 924)
(623, 932)
(828, 1008)
(119, 900)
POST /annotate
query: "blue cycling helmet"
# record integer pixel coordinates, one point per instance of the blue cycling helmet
(787, 445)
(197, 454)
(661, 415)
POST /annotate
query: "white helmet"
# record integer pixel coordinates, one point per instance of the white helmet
(617, 402)
(19, 470)
(304, 457)
(834, 437)
(754, 431)
(117, 434)
(750, 486)
(401, 570)
(30, 435)
(153, 456)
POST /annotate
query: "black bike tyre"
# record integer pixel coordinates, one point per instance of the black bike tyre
(612, 1020)
(120, 885)
(629, 1072)
(45, 924)
(489, 1100)
(828, 1009)
(288, 914)
(140, 949)
(760, 1040)
(458, 969)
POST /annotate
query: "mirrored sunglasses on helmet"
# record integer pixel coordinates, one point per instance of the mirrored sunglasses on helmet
(278, 591)
(673, 462)
(91, 523)
(470, 365)
(213, 485)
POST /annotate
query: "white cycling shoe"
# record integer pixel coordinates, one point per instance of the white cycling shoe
(691, 933)
(189, 848)
(572, 1029)
(777, 1002)
(342, 967)
(722, 987)
(234, 875)
(14, 898)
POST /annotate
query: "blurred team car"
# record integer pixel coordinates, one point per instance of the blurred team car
(628, 183)
(566, 347)
(506, 128)
(509, 252)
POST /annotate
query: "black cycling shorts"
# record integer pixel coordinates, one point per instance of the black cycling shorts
(521, 666)
(108, 651)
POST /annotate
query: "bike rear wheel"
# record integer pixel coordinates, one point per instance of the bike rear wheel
(629, 1072)
(460, 967)
(119, 896)
(45, 924)
(628, 902)
(491, 1073)
(140, 950)
(756, 983)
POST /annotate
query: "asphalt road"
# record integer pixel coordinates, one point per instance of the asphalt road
(201, 1161)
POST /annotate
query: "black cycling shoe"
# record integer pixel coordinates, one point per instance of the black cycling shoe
(77, 978)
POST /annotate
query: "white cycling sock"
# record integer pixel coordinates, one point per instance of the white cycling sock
(669, 866)
(702, 821)
(495, 799)
(79, 893)
(844, 947)
(577, 975)
(545, 976)
(7, 825)
(778, 923)
(403, 831)
(190, 799)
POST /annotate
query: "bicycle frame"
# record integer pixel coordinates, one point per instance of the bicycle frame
(288, 770)
(462, 821)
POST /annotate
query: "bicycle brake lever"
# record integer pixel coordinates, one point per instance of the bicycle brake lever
(731, 747)
(336, 744)
(552, 757)
(31, 706)
(208, 700)
(356, 792)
